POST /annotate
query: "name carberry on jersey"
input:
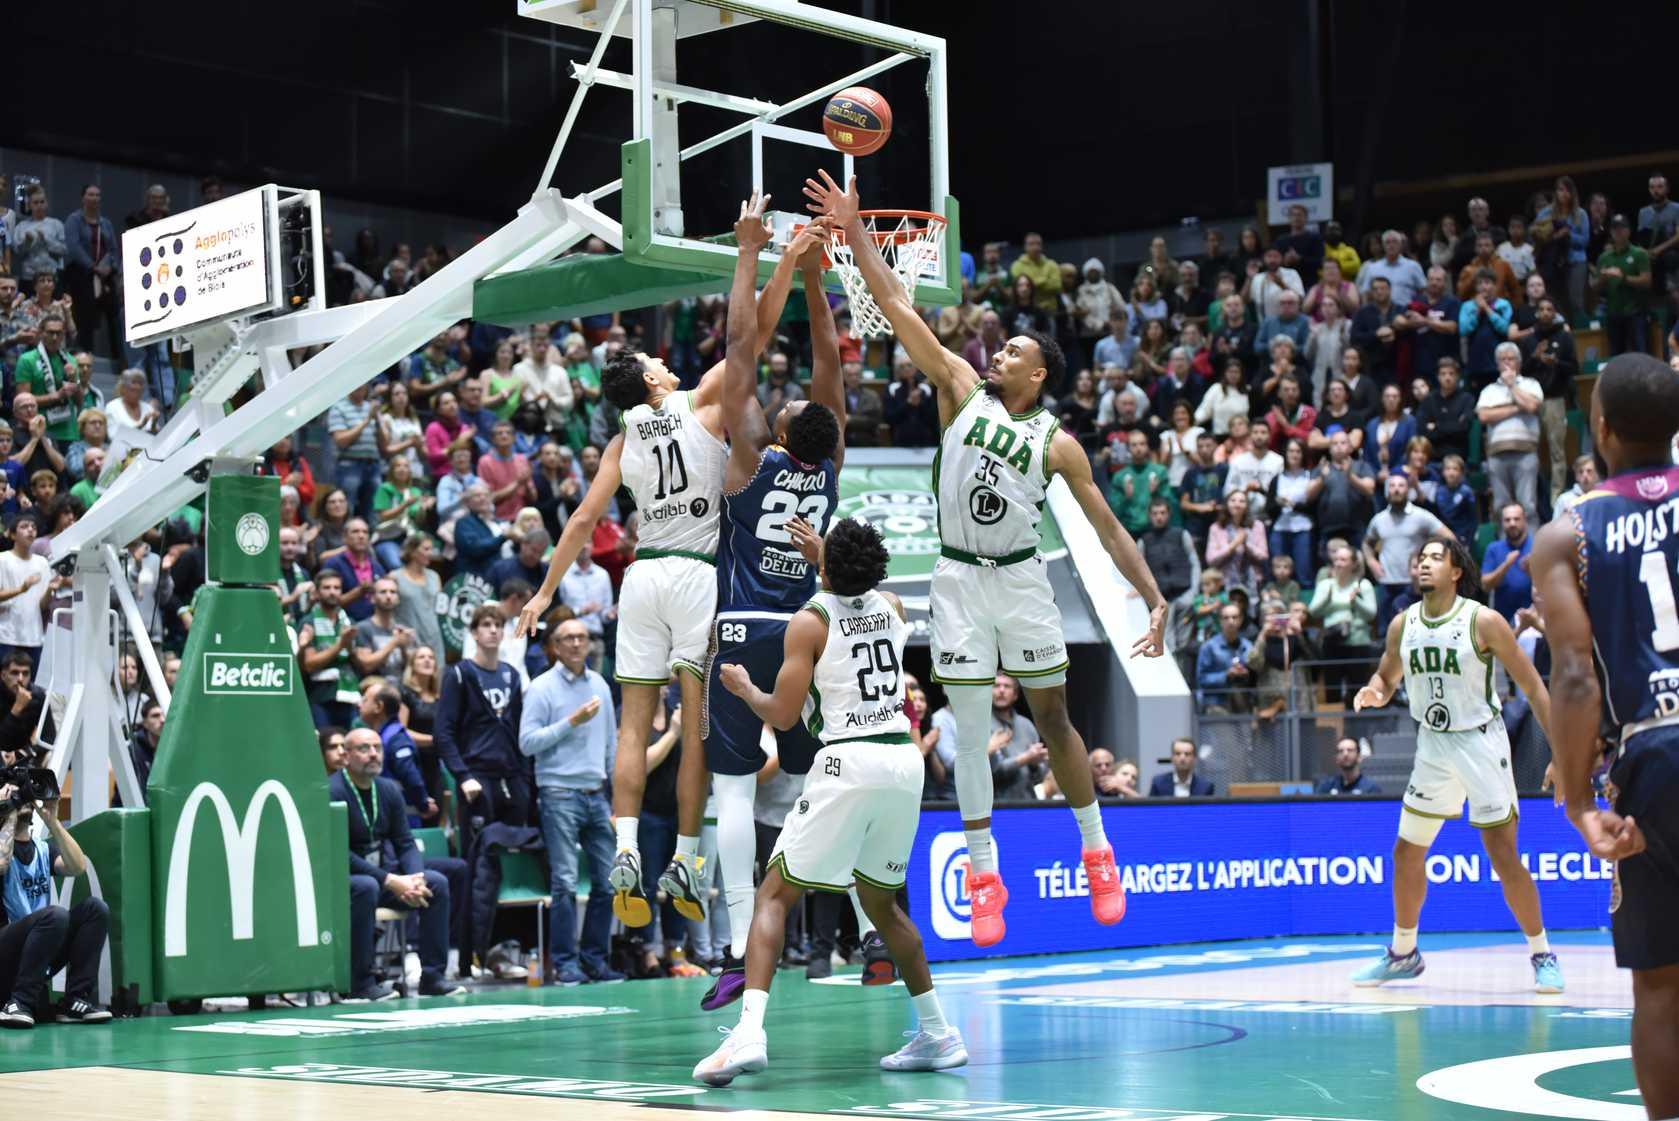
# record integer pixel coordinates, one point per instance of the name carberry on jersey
(799, 481)
(659, 424)
(867, 624)
(1642, 529)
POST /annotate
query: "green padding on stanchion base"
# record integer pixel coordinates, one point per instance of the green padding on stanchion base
(118, 847)
(250, 860)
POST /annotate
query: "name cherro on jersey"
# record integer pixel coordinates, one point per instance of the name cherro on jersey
(800, 481)
(867, 624)
(1642, 529)
(659, 424)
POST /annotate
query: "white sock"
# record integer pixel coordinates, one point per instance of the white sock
(865, 925)
(752, 1004)
(1090, 827)
(1538, 943)
(981, 855)
(737, 852)
(687, 849)
(928, 1012)
(1404, 941)
(629, 829)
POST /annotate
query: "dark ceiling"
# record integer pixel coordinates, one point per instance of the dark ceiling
(1076, 117)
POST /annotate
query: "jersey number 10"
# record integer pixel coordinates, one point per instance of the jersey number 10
(677, 481)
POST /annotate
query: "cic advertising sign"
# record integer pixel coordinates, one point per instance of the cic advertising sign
(1211, 871)
(206, 264)
(1311, 185)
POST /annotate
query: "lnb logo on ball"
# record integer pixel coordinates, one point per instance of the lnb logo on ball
(947, 862)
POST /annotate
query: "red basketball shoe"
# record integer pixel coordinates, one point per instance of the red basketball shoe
(1107, 894)
(988, 897)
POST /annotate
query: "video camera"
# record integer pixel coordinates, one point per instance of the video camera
(31, 785)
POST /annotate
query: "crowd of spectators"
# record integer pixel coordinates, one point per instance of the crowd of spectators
(1279, 423)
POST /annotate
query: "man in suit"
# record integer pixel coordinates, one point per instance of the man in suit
(377, 818)
(1183, 782)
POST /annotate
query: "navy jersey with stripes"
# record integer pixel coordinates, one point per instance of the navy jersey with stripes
(758, 567)
(1627, 543)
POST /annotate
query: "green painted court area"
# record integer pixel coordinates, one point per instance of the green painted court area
(1263, 1029)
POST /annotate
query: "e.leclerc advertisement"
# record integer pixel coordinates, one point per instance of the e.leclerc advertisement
(1209, 871)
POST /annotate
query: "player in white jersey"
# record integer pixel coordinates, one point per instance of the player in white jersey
(856, 819)
(671, 455)
(1444, 647)
(992, 607)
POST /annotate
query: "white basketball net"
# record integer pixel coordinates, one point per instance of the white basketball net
(913, 247)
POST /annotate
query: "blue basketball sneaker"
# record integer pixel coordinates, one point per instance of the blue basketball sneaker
(1390, 967)
(1547, 974)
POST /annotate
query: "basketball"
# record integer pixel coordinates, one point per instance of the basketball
(857, 120)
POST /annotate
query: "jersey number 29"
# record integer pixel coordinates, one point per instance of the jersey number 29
(880, 660)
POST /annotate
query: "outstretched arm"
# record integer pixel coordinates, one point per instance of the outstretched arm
(1067, 459)
(748, 433)
(807, 633)
(826, 386)
(949, 372)
(579, 528)
(771, 302)
(1578, 710)
(1385, 680)
(1496, 637)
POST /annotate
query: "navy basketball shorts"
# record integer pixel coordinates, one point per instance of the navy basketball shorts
(756, 640)
(1646, 921)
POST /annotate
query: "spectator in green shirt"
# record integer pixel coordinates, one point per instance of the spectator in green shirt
(49, 372)
(1132, 487)
(1624, 269)
(1045, 274)
(93, 462)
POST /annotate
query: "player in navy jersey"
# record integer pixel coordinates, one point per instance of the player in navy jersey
(780, 488)
(1605, 574)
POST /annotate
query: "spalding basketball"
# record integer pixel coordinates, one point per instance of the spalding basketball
(857, 120)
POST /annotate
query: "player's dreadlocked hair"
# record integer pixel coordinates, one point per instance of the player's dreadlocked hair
(1055, 362)
(1468, 573)
(1639, 398)
(813, 434)
(855, 557)
(621, 381)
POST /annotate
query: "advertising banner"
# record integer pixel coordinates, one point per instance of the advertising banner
(1311, 185)
(1206, 871)
(206, 264)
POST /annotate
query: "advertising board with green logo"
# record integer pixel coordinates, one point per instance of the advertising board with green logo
(900, 502)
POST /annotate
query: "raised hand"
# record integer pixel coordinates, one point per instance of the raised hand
(827, 198)
(808, 244)
(752, 233)
(805, 539)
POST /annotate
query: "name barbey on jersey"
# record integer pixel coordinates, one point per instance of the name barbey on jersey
(1642, 529)
(659, 424)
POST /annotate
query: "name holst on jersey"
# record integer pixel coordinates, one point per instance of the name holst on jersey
(1642, 529)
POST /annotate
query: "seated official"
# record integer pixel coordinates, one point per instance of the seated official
(378, 817)
(1349, 767)
(39, 939)
(1183, 782)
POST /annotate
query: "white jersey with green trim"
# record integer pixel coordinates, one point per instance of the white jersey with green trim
(674, 467)
(991, 473)
(1447, 677)
(857, 690)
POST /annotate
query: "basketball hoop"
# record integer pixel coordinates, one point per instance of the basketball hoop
(911, 241)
